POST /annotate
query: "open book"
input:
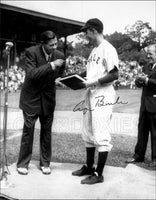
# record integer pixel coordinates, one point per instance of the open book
(73, 81)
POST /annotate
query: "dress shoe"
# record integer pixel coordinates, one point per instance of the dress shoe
(134, 160)
(46, 170)
(94, 178)
(83, 171)
(22, 170)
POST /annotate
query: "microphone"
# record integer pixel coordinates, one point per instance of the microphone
(8, 45)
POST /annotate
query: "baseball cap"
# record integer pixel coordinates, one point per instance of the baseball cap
(93, 23)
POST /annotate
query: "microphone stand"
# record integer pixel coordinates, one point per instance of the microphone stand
(5, 170)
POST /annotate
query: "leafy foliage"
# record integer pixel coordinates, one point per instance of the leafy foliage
(129, 45)
(142, 33)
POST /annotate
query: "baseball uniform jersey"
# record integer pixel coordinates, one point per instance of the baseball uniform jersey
(99, 100)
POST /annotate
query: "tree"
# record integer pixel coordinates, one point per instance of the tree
(81, 50)
(140, 32)
(151, 39)
(124, 45)
(121, 42)
(81, 47)
(129, 45)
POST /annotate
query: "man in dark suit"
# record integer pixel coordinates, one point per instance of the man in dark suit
(43, 64)
(147, 116)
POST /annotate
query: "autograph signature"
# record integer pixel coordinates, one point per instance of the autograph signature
(99, 103)
(80, 107)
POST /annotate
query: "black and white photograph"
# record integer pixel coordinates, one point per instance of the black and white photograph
(77, 100)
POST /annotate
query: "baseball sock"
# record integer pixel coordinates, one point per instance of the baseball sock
(90, 157)
(102, 157)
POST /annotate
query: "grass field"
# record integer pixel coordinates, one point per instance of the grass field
(70, 147)
(67, 99)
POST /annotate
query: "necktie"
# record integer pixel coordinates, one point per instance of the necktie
(49, 58)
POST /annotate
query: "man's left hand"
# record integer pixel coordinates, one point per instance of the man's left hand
(142, 80)
(57, 82)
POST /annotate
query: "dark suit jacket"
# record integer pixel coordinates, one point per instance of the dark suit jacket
(38, 91)
(148, 99)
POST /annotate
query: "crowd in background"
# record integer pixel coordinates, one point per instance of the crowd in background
(127, 74)
(74, 64)
(15, 78)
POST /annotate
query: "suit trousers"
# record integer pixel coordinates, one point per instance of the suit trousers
(28, 137)
(147, 124)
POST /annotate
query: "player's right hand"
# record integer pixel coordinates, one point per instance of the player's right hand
(90, 83)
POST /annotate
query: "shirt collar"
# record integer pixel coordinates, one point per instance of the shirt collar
(154, 65)
(45, 53)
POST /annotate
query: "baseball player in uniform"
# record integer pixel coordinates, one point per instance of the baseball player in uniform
(102, 70)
